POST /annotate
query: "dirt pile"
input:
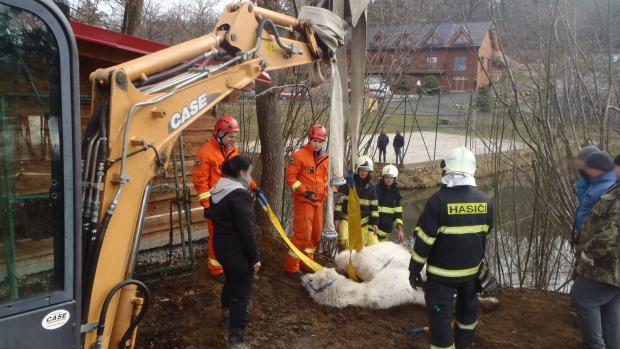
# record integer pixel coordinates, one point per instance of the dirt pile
(186, 314)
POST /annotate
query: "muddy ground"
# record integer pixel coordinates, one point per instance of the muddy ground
(185, 314)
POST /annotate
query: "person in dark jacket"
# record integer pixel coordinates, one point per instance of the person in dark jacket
(600, 170)
(234, 243)
(368, 205)
(596, 291)
(382, 143)
(399, 143)
(583, 182)
(451, 240)
(390, 210)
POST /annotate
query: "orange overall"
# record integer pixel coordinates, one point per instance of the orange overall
(306, 172)
(207, 172)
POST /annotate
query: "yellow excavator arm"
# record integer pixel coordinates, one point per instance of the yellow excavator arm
(140, 108)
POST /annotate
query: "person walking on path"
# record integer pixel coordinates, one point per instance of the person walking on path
(306, 175)
(382, 143)
(232, 212)
(399, 143)
(596, 291)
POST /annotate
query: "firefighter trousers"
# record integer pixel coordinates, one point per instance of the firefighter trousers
(439, 298)
(368, 236)
(215, 268)
(307, 230)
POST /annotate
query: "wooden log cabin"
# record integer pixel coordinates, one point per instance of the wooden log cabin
(98, 48)
(26, 179)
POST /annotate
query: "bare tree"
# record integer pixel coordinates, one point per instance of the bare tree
(270, 134)
(132, 16)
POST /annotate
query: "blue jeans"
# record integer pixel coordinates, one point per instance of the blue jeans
(598, 312)
(400, 155)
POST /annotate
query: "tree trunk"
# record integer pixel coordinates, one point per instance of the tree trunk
(132, 16)
(270, 134)
(272, 145)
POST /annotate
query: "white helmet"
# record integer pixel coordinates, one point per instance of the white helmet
(460, 160)
(365, 163)
(390, 171)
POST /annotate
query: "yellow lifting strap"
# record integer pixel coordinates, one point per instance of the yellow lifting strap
(356, 241)
(276, 223)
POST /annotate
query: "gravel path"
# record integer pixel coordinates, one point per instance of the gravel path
(421, 147)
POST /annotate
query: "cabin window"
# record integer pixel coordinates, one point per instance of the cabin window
(460, 63)
(431, 60)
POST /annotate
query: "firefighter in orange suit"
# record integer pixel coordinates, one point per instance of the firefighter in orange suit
(306, 175)
(208, 170)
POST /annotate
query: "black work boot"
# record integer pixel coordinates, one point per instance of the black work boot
(225, 317)
(236, 338)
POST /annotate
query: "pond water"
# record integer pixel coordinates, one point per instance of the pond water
(518, 255)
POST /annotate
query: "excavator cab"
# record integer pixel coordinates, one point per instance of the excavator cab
(39, 128)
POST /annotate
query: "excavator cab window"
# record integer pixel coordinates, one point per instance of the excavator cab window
(37, 174)
(31, 196)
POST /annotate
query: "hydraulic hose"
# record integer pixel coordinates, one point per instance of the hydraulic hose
(134, 323)
(163, 75)
(91, 234)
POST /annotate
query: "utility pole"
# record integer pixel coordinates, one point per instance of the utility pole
(405, 117)
(437, 123)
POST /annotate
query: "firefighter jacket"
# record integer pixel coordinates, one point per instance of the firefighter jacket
(451, 233)
(368, 201)
(208, 168)
(390, 210)
(600, 241)
(308, 171)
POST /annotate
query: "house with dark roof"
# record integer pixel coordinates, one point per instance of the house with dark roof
(463, 56)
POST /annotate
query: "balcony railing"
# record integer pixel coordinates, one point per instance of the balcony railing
(408, 68)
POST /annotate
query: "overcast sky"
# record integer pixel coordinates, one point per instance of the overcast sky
(163, 3)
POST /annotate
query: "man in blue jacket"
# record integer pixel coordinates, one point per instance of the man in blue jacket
(582, 183)
(601, 175)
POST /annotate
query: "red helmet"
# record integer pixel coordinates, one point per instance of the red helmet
(317, 132)
(226, 124)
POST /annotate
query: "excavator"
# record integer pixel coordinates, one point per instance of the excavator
(72, 202)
